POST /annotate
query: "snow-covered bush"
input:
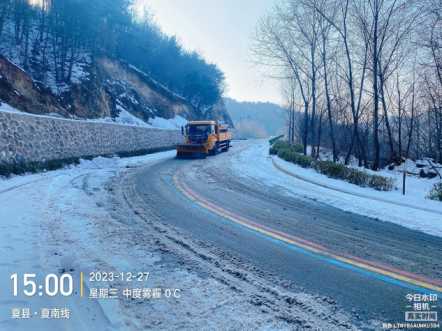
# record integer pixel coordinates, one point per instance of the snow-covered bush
(293, 153)
(357, 177)
(436, 192)
(331, 169)
(275, 139)
(294, 157)
(354, 176)
(303, 160)
(276, 145)
(286, 154)
(298, 148)
(380, 183)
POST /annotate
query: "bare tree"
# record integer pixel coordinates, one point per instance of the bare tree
(272, 48)
(5, 7)
(332, 49)
(341, 23)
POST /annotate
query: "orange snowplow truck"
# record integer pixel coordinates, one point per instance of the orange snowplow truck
(204, 138)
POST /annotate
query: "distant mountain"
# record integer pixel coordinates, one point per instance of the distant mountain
(256, 119)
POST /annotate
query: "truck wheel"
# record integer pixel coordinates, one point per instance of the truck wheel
(226, 148)
(215, 149)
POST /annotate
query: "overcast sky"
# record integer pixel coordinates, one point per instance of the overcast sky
(222, 31)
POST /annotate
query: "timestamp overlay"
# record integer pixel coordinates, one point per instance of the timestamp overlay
(49, 299)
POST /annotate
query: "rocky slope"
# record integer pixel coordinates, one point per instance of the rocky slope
(104, 89)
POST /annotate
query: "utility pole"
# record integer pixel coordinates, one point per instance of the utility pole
(404, 176)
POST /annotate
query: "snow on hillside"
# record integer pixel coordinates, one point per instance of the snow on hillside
(168, 124)
(7, 108)
(48, 78)
(412, 210)
(156, 83)
(124, 117)
(127, 118)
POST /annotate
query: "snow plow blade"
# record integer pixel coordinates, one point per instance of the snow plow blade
(190, 151)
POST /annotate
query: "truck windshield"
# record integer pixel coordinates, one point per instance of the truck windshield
(194, 130)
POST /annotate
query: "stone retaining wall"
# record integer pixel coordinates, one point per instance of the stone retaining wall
(30, 141)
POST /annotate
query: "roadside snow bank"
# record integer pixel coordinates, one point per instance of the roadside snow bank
(255, 162)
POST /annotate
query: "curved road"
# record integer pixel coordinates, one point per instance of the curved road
(365, 266)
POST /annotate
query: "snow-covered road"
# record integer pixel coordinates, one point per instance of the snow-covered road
(103, 215)
(77, 220)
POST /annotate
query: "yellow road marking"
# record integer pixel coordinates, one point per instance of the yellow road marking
(309, 246)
